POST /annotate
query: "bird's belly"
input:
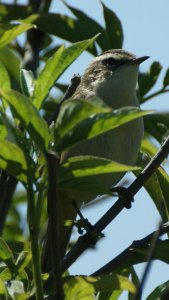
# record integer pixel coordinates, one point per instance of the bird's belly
(121, 145)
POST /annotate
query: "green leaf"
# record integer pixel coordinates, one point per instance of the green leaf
(5, 251)
(10, 12)
(158, 185)
(72, 30)
(83, 287)
(82, 166)
(13, 160)
(11, 61)
(80, 173)
(11, 31)
(3, 130)
(92, 27)
(23, 260)
(153, 185)
(4, 77)
(55, 66)
(27, 82)
(157, 125)
(147, 80)
(166, 79)
(113, 28)
(79, 120)
(2, 290)
(29, 117)
(160, 292)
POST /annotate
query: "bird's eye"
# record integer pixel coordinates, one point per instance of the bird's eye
(110, 61)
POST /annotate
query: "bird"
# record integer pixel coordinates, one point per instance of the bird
(111, 76)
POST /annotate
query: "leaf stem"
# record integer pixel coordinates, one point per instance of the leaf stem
(34, 231)
(161, 91)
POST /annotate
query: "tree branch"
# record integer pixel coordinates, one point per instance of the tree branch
(54, 223)
(86, 241)
(128, 253)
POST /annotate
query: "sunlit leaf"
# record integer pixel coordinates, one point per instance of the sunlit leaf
(84, 119)
(54, 68)
(11, 31)
(11, 61)
(83, 288)
(13, 160)
(29, 116)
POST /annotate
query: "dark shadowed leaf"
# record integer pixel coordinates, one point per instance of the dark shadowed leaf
(113, 28)
(166, 79)
(157, 125)
(72, 30)
(92, 26)
(84, 119)
(159, 292)
(29, 116)
(11, 11)
(55, 66)
(147, 80)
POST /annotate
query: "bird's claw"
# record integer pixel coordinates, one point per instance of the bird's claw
(125, 194)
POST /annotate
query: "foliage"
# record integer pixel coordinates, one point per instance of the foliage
(26, 138)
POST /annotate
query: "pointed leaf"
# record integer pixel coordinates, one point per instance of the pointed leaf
(160, 292)
(11, 61)
(72, 30)
(81, 173)
(27, 82)
(113, 28)
(11, 31)
(29, 116)
(166, 79)
(12, 159)
(93, 27)
(4, 77)
(147, 80)
(55, 66)
(83, 119)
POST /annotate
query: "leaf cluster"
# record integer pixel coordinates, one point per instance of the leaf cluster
(26, 104)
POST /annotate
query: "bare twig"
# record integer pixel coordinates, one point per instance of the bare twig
(120, 260)
(86, 241)
(54, 224)
(152, 249)
(69, 93)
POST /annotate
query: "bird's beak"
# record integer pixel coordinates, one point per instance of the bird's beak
(139, 60)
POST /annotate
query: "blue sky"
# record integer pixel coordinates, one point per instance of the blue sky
(145, 24)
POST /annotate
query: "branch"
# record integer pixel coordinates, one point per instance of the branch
(161, 91)
(86, 241)
(54, 223)
(129, 252)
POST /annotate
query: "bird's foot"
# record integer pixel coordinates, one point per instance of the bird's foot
(125, 195)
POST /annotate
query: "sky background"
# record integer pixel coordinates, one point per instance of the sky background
(146, 32)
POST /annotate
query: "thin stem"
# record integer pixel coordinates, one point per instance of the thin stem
(161, 91)
(34, 232)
